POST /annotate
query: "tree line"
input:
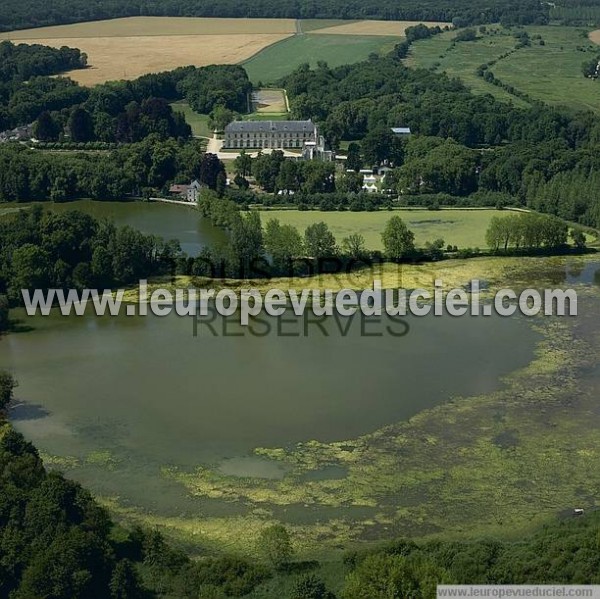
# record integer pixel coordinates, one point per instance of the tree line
(276, 249)
(529, 232)
(137, 170)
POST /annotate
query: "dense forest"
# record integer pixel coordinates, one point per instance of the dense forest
(41, 250)
(20, 14)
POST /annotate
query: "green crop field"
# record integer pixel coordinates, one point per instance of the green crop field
(464, 228)
(283, 57)
(549, 71)
(315, 24)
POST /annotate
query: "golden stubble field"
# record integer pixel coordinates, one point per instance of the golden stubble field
(128, 48)
(386, 28)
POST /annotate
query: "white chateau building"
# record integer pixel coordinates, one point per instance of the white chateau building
(276, 135)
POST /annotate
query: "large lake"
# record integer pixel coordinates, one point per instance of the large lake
(149, 393)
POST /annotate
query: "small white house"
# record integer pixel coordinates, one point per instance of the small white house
(370, 183)
(193, 190)
(188, 193)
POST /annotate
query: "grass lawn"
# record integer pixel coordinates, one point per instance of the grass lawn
(549, 72)
(464, 228)
(266, 116)
(283, 57)
(198, 122)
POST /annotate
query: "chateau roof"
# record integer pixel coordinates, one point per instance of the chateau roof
(270, 126)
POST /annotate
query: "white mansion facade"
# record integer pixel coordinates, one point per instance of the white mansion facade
(276, 135)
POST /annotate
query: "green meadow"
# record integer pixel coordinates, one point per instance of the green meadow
(283, 57)
(198, 122)
(464, 228)
(548, 70)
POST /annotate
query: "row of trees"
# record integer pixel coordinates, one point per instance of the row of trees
(277, 248)
(529, 231)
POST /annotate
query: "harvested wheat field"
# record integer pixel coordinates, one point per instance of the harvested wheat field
(386, 28)
(113, 58)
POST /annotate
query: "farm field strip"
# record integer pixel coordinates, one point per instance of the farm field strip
(385, 28)
(274, 62)
(156, 26)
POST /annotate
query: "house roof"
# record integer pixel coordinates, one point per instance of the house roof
(178, 188)
(272, 126)
(401, 130)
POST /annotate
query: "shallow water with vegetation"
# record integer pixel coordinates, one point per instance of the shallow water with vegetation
(117, 394)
